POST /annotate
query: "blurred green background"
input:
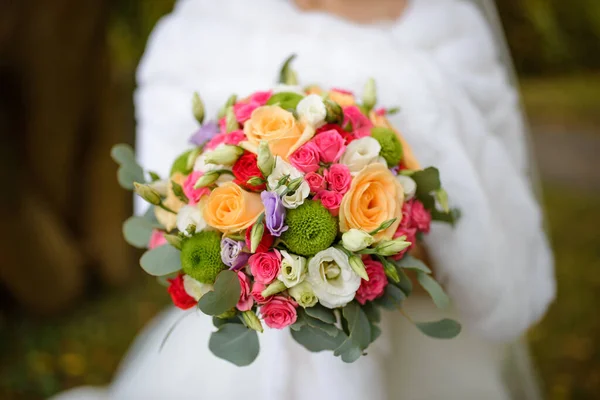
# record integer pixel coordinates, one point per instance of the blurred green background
(67, 76)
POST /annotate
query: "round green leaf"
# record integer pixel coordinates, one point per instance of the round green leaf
(442, 329)
(315, 340)
(321, 313)
(410, 262)
(439, 297)
(359, 328)
(137, 231)
(224, 296)
(161, 260)
(427, 180)
(122, 153)
(129, 173)
(235, 343)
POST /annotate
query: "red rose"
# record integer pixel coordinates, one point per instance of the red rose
(180, 297)
(375, 286)
(245, 168)
(420, 217)
(265, 243)
(347, 136)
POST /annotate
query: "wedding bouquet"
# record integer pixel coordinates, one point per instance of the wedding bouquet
(297, 208)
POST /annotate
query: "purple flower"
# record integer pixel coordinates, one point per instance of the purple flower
(206, 132)
(232, 255)
(274, 213)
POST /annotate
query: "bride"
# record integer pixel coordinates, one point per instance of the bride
(441, 63)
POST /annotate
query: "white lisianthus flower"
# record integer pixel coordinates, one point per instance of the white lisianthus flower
(293, 269)
(360, 153)
(296, 199)
(190, 215)
(409, 186)
(280, 170)
(282, 87)
(194, 288)
(304, 294)
(332, 279)
(312, 110)
(356, 240)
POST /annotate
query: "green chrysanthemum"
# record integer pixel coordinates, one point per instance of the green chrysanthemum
(311, 228)
(180, 164)
(391, 148)
(201, 256)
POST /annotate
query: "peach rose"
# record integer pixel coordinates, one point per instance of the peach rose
(166, 218)
(374, 197)
(408, 158)
(275, 125)
(229, 208)
(343, 98)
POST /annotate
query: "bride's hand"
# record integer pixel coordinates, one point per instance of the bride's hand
(361, 11)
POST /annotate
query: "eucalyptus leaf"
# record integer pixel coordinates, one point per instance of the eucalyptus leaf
(235, 343)
(122, 153)
(128, 173)
(349, 351)
(405, 283)
(224, 296)
(285, 100)
(442, 329)
(137, 231)
(410, 262)
(427, 180)
(161, 260)
(219, 322)
(164, 280)
(375, 332)
(373, 313)
(315, 340)
(359, 329)
(322, 313)
(450, 217)
(439, 297)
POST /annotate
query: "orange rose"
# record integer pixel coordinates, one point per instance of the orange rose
(275, 125)
(408, 158)
(166, 218)
(375, 196)
(229, 208)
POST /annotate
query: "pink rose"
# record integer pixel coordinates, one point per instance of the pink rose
(406, 220)
(338, 177)
(361, 125)
(156, 239)
(411, 236)
(233, 138)
(243, 111)
(192, 194)
(330, 200)
(246, 300)
(375, 286)
(261, 97)
(315, 181)
(420, 217)
(279, 312)
(256, 293)
(306, 158)
(265, 266)
(331, 145)
(223, 125)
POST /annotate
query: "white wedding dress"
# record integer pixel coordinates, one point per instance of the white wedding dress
(439, 64)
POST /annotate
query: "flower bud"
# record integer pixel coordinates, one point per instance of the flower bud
(358, 266)
(228, 314)
(276, 287)
(442, 198)
(258, 229)
(252, 321)
(294, 184)
(191, 160)
(174, 240)
(303, 294)
(255, 181)
(391, 247)
(409, 186)
(231, 123)
(390, 270)
(335, 114)
(356, 240)
(207, 179)
(230, 102)
(287, 74)
(383, 226)
(198, 108)
(178, 191)
(147, 193)
(266, 161)
(369, 97)
(224, 154)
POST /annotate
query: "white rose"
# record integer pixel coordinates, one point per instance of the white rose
(189, 215)
(194, 288)
(304, 294)
(409, 186)
(293, 269)
(332, 279)
(312, 110)
(360, 153)
(280, 170)
(356, 240)
(288, 88)
(296, 199)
